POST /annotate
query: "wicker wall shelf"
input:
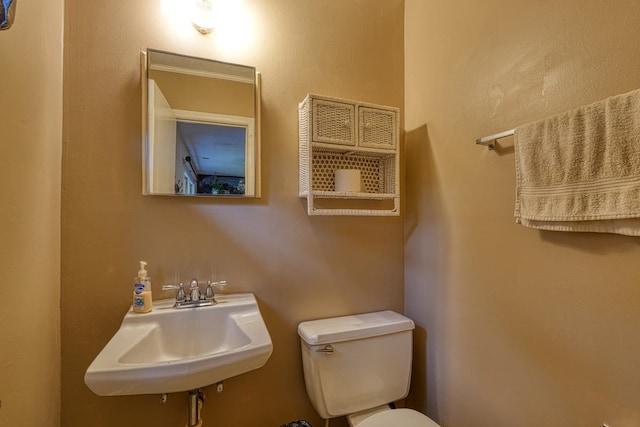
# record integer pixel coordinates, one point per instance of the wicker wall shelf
(342, 134)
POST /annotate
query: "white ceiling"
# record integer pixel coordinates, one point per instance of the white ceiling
(215, 149)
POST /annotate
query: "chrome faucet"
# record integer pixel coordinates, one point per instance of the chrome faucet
(195, 297)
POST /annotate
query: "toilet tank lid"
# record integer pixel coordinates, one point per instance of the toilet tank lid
(357, 326)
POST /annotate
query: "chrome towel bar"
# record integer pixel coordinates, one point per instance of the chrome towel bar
(489, 140)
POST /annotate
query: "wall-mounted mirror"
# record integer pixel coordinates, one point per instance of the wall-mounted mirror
(201, 126)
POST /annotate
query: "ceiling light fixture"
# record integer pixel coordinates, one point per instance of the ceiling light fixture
(203, 17)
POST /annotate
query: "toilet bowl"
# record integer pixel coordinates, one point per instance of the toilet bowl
(398, 417)
(355, 366)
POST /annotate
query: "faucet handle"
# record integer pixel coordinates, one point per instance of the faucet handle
(180, 295)
(209, 295)
(218, 284)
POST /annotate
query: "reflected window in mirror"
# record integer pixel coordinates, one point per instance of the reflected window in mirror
(202, 127)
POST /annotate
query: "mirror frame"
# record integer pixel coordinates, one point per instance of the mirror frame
(255, 156)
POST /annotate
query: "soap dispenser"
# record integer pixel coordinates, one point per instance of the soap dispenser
(142, 302)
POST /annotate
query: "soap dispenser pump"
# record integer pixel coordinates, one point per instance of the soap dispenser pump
(142, 301)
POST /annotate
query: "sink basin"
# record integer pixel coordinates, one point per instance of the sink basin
(170, 350)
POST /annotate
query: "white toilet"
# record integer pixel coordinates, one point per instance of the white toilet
(357, 365)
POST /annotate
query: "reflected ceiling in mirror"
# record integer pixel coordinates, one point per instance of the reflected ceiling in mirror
(202, 127)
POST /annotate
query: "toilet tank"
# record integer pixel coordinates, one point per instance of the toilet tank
(358, 362)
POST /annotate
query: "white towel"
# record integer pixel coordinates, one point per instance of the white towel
(580, 170)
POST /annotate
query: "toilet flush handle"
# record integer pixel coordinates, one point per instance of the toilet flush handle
(326, 349)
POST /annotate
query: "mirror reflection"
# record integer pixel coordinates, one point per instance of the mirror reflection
(201, 136)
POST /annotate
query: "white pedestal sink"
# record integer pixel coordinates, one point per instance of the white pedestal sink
(171, 350)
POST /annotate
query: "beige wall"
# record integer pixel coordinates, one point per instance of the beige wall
(299, 267)
(30, 155)
(518, 327)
